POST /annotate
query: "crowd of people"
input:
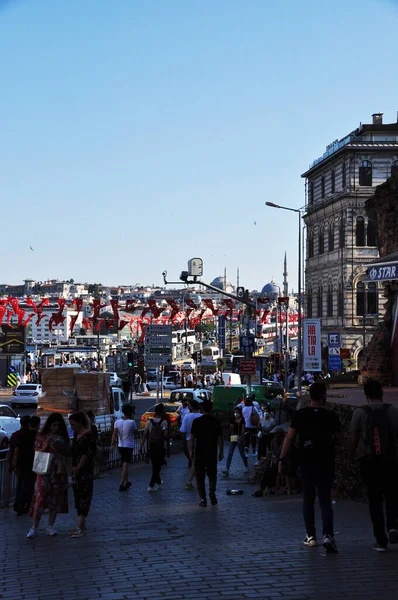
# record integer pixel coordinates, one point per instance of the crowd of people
(43, 459)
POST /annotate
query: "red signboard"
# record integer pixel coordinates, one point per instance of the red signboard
(247, 366)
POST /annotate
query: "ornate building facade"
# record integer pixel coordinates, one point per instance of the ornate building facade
(341, 239)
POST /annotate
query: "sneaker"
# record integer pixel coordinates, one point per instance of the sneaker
(379, 548)
(225, 472)
(156, 487)
(203, 503)
(151, 489)
(32, 533)
(128, 484)
(213, 499)
(329, 544)
(78, 533)
(393, 536)
(189, 485)
(310, 541)
(51, 531)
(123, 488)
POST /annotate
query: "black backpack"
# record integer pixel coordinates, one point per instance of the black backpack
(380, 439)
(156, 437)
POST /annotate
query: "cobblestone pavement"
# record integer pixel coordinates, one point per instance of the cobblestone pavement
(163, 546)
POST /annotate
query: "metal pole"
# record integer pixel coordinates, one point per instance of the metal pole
(299, 323)
(287, 346)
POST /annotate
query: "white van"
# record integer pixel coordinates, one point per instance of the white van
(231, 379)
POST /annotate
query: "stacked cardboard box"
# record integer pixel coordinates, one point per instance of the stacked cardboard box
(69, 388)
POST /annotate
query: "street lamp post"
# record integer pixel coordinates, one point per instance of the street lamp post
(299, 323)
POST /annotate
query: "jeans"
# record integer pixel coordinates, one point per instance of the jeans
(24, 492)
(380, 478)
(319, 478)
(156, 455)
(186, 451)
(251, 436)
(241, 447)
(203, 465)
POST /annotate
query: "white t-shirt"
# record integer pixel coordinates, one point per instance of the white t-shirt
(186, 425)
(125, 429)
(246, 412)
(183, 411)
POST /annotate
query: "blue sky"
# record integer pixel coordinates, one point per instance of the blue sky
(137, 134)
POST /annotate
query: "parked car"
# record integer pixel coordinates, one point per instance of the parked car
(272, 389)
(170, 383)
(115, 380)
(188, 394)
(4, 441)
(26, 393)
(9, 421)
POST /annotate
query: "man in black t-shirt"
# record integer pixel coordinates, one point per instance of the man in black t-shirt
(319, 431)
(206, 437)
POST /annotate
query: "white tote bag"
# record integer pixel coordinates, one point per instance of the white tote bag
(42, 463)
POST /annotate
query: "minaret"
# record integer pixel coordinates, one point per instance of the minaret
(285, 286)
(237, 278)
(225, 279)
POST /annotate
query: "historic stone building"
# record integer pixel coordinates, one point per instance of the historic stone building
(341, 239)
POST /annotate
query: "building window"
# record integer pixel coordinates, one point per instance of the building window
(310, 244)
(311, 192)
(365, 173)
(333, 181)
(342, 233)
(371, 234)
(360, 232)
(320, 301)
(330, 301)
(331, 237)
(321, 240)
(309, 304)
(323, 186)
(340, 300)
(360, 299)
(394, 169)
(344, 175)
(373, 308)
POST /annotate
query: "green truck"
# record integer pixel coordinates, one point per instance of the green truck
(225, 397)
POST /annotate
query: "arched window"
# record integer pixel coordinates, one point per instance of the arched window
(311, 192)
(394, 168)
(373, 308)
(309, 303)
(310, 243)
(321, 240)
(365, 173)
(371, 234)
(330, 301)
(360, 299)
(323, 186)
(360, 232)
(343, 175)
(342, 233)
(331, 237)
(333, 181)
(340, 300)
(320, 301)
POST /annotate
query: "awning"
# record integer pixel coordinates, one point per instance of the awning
(383, 269)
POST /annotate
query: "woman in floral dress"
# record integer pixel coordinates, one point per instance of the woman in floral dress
(82, 469)
(51, 491)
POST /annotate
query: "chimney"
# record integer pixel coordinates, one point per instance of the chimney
(377, 118)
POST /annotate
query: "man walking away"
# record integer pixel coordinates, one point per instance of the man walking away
(124, 431)
(319, 431)
(156, 432)
(186, 427)
(374, 437)
(23, 464)
(206, 437)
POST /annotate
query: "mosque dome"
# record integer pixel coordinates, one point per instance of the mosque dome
(221, 284)
(270, 289)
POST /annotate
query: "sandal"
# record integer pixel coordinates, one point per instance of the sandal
(73, 532)
(79, 533)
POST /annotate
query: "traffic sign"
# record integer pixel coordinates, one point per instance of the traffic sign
(349, 363)
(247, 366)
(151, 330)
(334, 362)
(345, 353)
(12, 369)
(221, 331)
(11, 380)
(334, 352)
(158, 345)
(221, 362)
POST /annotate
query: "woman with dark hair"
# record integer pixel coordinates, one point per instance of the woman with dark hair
(82, 469)
(51, 490)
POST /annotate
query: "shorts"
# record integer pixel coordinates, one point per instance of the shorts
(126, 454)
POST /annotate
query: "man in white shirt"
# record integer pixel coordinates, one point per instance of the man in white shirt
(186, 427)
(124, 430)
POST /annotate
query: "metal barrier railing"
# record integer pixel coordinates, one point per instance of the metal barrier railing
(108, 459)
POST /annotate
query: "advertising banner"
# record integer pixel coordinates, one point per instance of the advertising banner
(312, 359)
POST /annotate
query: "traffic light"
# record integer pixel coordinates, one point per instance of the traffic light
(130, 359)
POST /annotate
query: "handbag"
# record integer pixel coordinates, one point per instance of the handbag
(42, 463)
(254, 418)
(234, 438)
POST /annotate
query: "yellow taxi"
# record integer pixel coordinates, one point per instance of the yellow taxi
(171, 415)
